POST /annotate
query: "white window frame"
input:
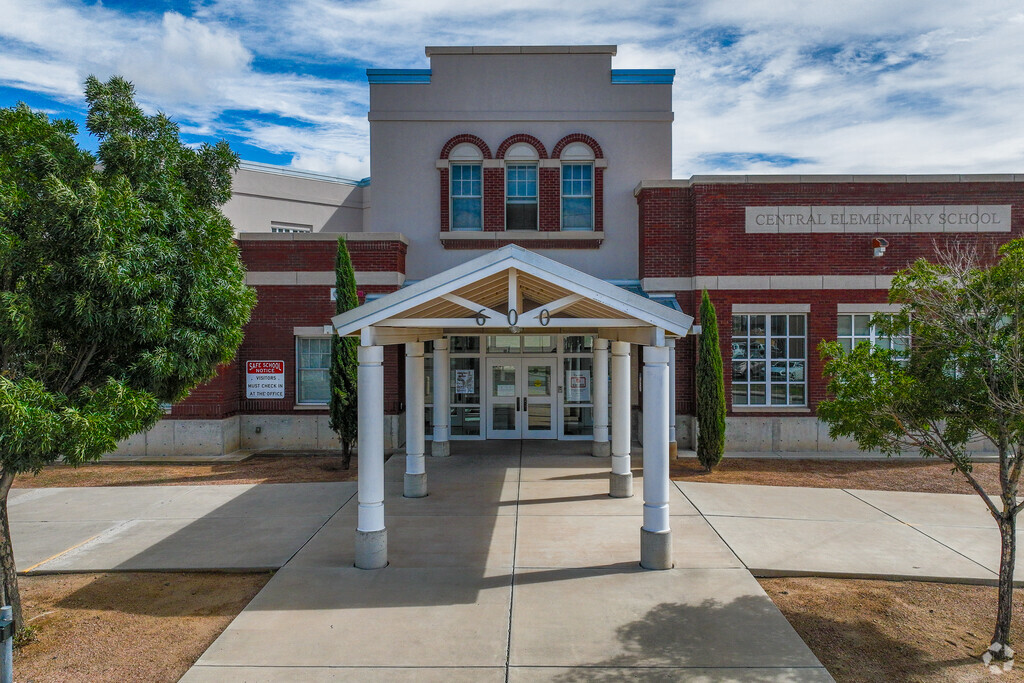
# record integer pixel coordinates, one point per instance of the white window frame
(790, 360)
(452, 196)
(299, 369)
(282, 227)
(562, 195)
(872, 337)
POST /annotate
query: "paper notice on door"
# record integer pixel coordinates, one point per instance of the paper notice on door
(577, 383)
(465, 382)
(505, 390)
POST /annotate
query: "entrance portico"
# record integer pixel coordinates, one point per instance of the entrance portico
(512, 292)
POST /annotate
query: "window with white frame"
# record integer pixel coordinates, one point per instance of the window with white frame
(769, 359)
(281, 227)
(521, 197)
(577, 196)
(467, 196)
(857, 328)
(313, 363)
(577, 187)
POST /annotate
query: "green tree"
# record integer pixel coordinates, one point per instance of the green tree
(710, 389)
(120, 283)
(344, 364)
(959, 388)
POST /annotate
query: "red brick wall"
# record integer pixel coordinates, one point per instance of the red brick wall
(700, 231)
(279, 309)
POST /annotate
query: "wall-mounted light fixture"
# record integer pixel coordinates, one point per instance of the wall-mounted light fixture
(879, 246)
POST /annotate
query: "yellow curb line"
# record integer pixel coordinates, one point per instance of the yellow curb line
(62, 552)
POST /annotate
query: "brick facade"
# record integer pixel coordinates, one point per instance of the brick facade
(697, 230)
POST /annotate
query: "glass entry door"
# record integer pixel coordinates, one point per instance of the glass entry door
(522, 398)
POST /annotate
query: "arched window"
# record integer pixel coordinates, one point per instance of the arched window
(577, 187)
(465, 164)
(521, 187)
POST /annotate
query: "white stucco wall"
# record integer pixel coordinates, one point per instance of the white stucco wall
(265, 195)
(494, 95)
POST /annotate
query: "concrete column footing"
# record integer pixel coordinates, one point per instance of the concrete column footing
(440, 449)
(372, 549)
(415, 485)
(601, 449)
(655, 549)
(620, 485)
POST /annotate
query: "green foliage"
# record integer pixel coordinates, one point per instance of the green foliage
(344, 363)
(962, 382)
(120, 283)
(710, 389)
(961, 386)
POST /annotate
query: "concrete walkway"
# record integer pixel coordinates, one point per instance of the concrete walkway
(518, 564)
(516, 567)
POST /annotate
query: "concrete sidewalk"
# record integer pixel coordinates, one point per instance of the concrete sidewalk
(519, 567)
(789, 531)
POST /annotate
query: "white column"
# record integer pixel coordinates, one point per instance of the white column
(371, 536)
(599, 394)
(621, 482)
(440, 445)
(673, 447)
(655, 535)
(415, 468)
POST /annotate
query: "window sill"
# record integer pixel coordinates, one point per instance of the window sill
(561, 239)
(771, 409)
(311, 406)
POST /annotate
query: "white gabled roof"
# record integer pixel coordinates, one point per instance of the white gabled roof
(484, 281)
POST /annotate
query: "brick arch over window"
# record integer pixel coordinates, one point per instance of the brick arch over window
(466, 137)
(590, 142)
(542, 152)
(553, 217)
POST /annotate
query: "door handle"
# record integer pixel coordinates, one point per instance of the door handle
(517, 404)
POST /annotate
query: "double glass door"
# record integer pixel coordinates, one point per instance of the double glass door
(522, 398)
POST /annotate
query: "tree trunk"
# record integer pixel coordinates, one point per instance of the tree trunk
(11, 594)
(1008, 534)
(346, 454)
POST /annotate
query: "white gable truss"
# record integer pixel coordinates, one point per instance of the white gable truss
(512, 288)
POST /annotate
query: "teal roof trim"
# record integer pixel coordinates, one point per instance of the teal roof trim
(643, 76)
(375, 76)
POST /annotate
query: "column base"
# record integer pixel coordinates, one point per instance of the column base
(655, 549)
(601, 449)
(440, 449)
(371, 549)
(620, 485)
(415, 485)
(673, 450)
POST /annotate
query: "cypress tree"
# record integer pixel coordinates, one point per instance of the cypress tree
(344, 362)
(710, 389)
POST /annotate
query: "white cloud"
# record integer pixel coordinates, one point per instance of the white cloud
(910, 86)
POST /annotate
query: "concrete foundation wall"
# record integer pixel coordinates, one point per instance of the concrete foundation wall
(177, 438)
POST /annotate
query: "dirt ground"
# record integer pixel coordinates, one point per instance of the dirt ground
(928, 476)
(125, 626)
(885, 475)
(868, 631)
(280, 469)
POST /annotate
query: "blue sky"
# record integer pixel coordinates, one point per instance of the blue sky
(762, 86)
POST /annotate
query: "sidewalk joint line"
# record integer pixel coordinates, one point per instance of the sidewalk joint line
(512, 584)
(930, 538)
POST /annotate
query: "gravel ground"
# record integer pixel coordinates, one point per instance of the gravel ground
(127, 626)
(869, 631)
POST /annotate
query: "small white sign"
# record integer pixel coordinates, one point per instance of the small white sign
(264, 379)
(465, 382)
(577, 384)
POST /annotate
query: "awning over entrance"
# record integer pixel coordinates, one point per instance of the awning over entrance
(513, 288)
(508, 291)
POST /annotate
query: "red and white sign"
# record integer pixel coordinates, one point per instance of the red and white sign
(264, 379)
